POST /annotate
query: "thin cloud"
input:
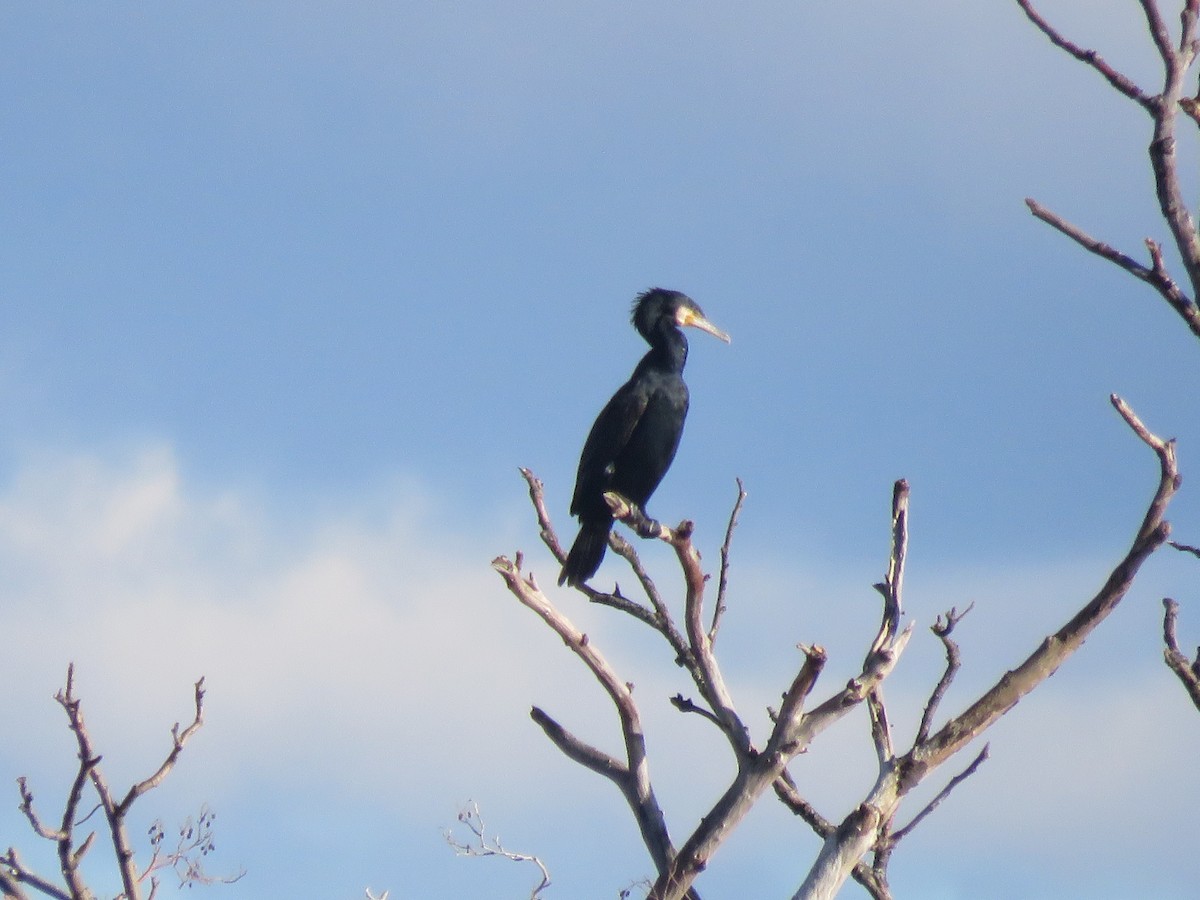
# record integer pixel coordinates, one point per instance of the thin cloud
(375, 655)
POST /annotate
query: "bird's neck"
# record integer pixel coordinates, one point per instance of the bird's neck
(668, 350)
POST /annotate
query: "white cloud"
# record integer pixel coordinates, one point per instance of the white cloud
(304, 630)
(373, 656)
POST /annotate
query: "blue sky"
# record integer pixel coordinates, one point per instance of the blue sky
(290, 292)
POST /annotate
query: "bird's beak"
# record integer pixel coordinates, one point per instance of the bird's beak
(695, 320)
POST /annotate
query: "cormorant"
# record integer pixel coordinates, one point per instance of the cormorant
(634, 439)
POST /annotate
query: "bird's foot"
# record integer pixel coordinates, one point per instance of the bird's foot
(647, 527)
(634, 516)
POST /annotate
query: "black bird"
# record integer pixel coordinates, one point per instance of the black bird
(631, 446)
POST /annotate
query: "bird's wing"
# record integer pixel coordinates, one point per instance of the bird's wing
(608, 437)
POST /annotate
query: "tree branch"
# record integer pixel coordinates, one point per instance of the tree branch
(658, 617)
(13, 873)
(794, 728)
(581, 752)
(9, 886)
(34, 821)
(633, 778)
(754, 776)
(1176, 63)
(840, 853)
(891, 588)
(1154, 275)
(537, 497)
(1120, 82)
(1055, 649)
(178, 740)
(707, 673)
(70, 855)
(870, 823)
(1177, 59)
(1186, 670)
(723, 579)
(953, 661)
(115, 815)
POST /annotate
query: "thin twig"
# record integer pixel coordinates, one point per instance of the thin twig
(942, 795)
(684, 705)
(16, 873)
(178, 740)
(1154, 275)
(537, 496)
(953, 661)
(1185, 548)
(195, 842)
(1094, 245)
(1121, 83)
(723, 578)
(485, 846)
(660, 618)
(27, 808)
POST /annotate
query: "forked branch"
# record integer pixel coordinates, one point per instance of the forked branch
(870, 825)
(1177, 57)
(14, 873)
(632, 776)
(794, 727)
(1055, 649)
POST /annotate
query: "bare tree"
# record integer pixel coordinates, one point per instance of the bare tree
(861, 845)
(1178, 53)
(871, 828)
(186, 859)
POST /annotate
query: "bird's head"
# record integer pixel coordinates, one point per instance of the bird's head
(658, 306)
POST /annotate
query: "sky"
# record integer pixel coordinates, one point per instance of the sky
(291, 290)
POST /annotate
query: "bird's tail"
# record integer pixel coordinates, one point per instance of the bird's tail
(586, 553)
